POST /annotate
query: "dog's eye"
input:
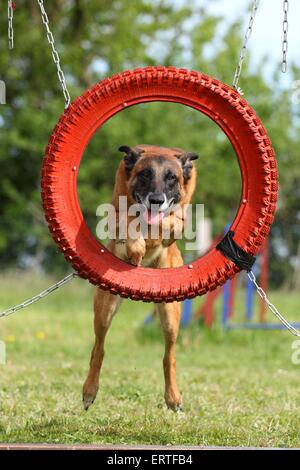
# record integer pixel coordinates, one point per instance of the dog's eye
(170, 177)
(145, 174)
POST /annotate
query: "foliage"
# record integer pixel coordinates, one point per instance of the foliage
(95, 39)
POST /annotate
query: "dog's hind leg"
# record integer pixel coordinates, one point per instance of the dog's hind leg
(105, 306)
(169, 314)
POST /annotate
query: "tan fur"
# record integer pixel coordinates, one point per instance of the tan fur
(150, 253)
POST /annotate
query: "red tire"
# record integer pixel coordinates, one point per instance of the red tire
(90, 111)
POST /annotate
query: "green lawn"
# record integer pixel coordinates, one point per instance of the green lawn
(239, 388)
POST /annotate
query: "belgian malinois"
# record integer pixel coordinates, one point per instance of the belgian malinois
(159, 179)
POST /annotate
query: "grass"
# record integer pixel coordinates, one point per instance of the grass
(240, 388)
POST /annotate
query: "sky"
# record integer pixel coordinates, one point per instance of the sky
(267, 32)
(267, 28)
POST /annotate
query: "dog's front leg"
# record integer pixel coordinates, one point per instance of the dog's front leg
(136, 249)
(132, 240)
(105, 306)
(169, 314)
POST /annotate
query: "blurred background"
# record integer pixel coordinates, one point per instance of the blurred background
(240, 387)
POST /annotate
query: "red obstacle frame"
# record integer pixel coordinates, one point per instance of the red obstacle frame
(89, 112)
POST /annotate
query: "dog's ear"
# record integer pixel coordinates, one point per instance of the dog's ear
(131, 157)
(186, 160)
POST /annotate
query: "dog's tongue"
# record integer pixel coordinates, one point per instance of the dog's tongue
(153, 218)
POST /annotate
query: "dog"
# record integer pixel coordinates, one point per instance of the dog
(159, 180)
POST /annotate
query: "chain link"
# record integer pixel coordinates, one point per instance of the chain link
(10, 16)
(285, 28)
(55, 56)
(271, 306)
(244, 48)
(39, 296)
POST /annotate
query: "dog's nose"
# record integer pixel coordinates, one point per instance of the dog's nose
(156, 198)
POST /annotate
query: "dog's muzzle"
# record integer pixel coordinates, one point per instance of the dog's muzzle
(156, 207)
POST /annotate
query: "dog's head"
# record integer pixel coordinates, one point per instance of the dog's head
(158, 177)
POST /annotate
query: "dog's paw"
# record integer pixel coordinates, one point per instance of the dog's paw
(89, 394)
(87, 401)
(136, 250)
(174, 403)
(177, 408)
(136, 259)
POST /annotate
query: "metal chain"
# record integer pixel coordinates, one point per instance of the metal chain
(39, 296)
(244, 48)
(56, 59)
(61, 77)
(285, 28)
(271, 306)
(10, 16)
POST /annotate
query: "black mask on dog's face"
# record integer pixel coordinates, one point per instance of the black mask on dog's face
(157, 180)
